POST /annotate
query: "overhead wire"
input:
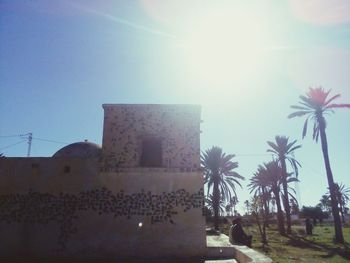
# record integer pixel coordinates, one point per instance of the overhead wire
(10, 145)
(24, 139)
(254, 154)
(47, 140)
(35, 138)
(8, 136)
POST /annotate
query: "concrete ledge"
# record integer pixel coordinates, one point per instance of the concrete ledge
(220, 247)
(245, 254)
(220, 252)
(221, 261)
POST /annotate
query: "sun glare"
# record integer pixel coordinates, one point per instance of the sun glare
(225, 50)
(220, 47)
(225, 47)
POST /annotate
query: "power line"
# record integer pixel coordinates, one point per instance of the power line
(8, 136)
(10, 145)
(47, 140)
(35, 138)
(254, 154)
(27, 137)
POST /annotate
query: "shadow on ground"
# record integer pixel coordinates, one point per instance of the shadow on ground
(342, 250)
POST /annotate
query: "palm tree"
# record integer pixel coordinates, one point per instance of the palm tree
(273, 172)
(220, 177)
(315, 105)
(283, 150)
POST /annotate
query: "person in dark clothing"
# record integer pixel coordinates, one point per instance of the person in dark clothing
(308, 226)
(237, 234)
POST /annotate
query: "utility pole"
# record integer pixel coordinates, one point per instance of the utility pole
(29, 138)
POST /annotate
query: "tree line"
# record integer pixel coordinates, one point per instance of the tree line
(270, 183)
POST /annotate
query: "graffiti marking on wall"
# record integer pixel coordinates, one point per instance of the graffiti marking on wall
(42, 208)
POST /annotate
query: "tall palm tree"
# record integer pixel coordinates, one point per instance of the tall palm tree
(272, 172)
(283, 150)
(220, 177)
(315, 105)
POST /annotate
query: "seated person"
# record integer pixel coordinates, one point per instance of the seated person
(237, 234)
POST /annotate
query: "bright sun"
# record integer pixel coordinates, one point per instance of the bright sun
(220, 48)
(224, 49)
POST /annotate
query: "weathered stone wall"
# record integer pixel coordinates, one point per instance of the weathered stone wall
(48, 210)
(178, 127)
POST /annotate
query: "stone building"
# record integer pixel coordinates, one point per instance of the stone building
(163, 136)
(139, 195)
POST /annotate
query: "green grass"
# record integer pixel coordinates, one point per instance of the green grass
(299, 247)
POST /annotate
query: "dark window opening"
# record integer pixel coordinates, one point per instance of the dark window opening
(66, 169)
(151, 152)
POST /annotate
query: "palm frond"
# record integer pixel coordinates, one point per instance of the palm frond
(332, 98)
(294, 148)
(294, 163)
(297, 107)
(306, 100)
(307, 105)
(218, 170)
(273, 146)
(297, 114)
(332, 106)
(305, 128)
(316, 131)
(292, 179)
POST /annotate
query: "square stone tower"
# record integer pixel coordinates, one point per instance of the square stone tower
(151, 135)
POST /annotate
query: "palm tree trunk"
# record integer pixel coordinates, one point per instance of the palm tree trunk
(280, 219)
(216, 202)
(335, 211)
(285, 198)
(266, 207)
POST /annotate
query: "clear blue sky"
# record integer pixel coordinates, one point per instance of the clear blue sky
(245, 62)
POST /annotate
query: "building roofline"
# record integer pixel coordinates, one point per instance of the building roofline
(142, 105)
